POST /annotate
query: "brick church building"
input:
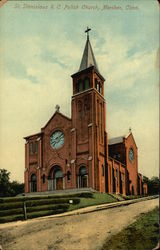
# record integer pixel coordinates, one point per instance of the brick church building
(75, 152)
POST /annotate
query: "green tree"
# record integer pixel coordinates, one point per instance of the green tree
(153, 184)
(8, 188)
(4, 183)
(17, 187)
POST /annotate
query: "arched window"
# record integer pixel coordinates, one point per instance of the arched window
(102, 170)
(96, 83)
(98, 112)
(82, 170)
(33, 183)
(33, 177)
(86, 84)
(31, 148)
(43, 177)
(83, 177)
(97, 86)
(68, 176)
(77, 87)
(58, 174)
(116, 173)
(117, 176)
(100, 88)
(80, 86)
(36, 147)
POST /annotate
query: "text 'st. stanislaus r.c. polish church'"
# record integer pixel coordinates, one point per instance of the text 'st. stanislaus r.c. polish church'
(75, 152)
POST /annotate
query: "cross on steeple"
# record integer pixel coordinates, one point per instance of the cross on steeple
(57, 107)
(87, 31)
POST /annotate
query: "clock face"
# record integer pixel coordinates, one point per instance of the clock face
(57, 139)
(131, 155)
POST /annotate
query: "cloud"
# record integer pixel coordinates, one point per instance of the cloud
(47, 56)
(123, 70)
(18, 70)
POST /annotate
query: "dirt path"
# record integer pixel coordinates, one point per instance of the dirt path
(77, 232)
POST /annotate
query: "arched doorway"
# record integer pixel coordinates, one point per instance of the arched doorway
(33, 183)
(83, 177)
(55, 179)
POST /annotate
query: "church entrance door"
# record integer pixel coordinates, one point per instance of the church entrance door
(58, 176)
(59, 183)
(55, 179)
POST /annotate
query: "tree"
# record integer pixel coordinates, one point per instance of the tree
(17, 188)
(8, 188)
(153, 184)
(4, 182)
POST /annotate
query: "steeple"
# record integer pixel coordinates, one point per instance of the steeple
(88, 75)
(88, 58)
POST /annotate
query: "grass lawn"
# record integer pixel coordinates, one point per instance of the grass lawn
(141, 235)
(98, 198)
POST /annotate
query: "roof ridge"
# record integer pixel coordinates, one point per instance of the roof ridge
(56, 112)
(121, 136)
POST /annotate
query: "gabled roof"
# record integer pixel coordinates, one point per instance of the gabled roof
(120, 139)
(41, 133)
(29, 136)
(57, 112)
(115, 140)
(130, 134)
(88, 58)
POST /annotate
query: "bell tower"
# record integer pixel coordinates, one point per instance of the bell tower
(89, 121)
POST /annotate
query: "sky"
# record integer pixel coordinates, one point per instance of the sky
(41, 46)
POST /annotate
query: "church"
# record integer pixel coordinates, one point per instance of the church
(74, 153)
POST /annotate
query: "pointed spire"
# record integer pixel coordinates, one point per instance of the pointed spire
(88, 58)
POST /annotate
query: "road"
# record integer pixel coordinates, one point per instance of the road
(76, 232)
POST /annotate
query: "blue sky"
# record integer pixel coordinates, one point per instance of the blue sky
(39, 51)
